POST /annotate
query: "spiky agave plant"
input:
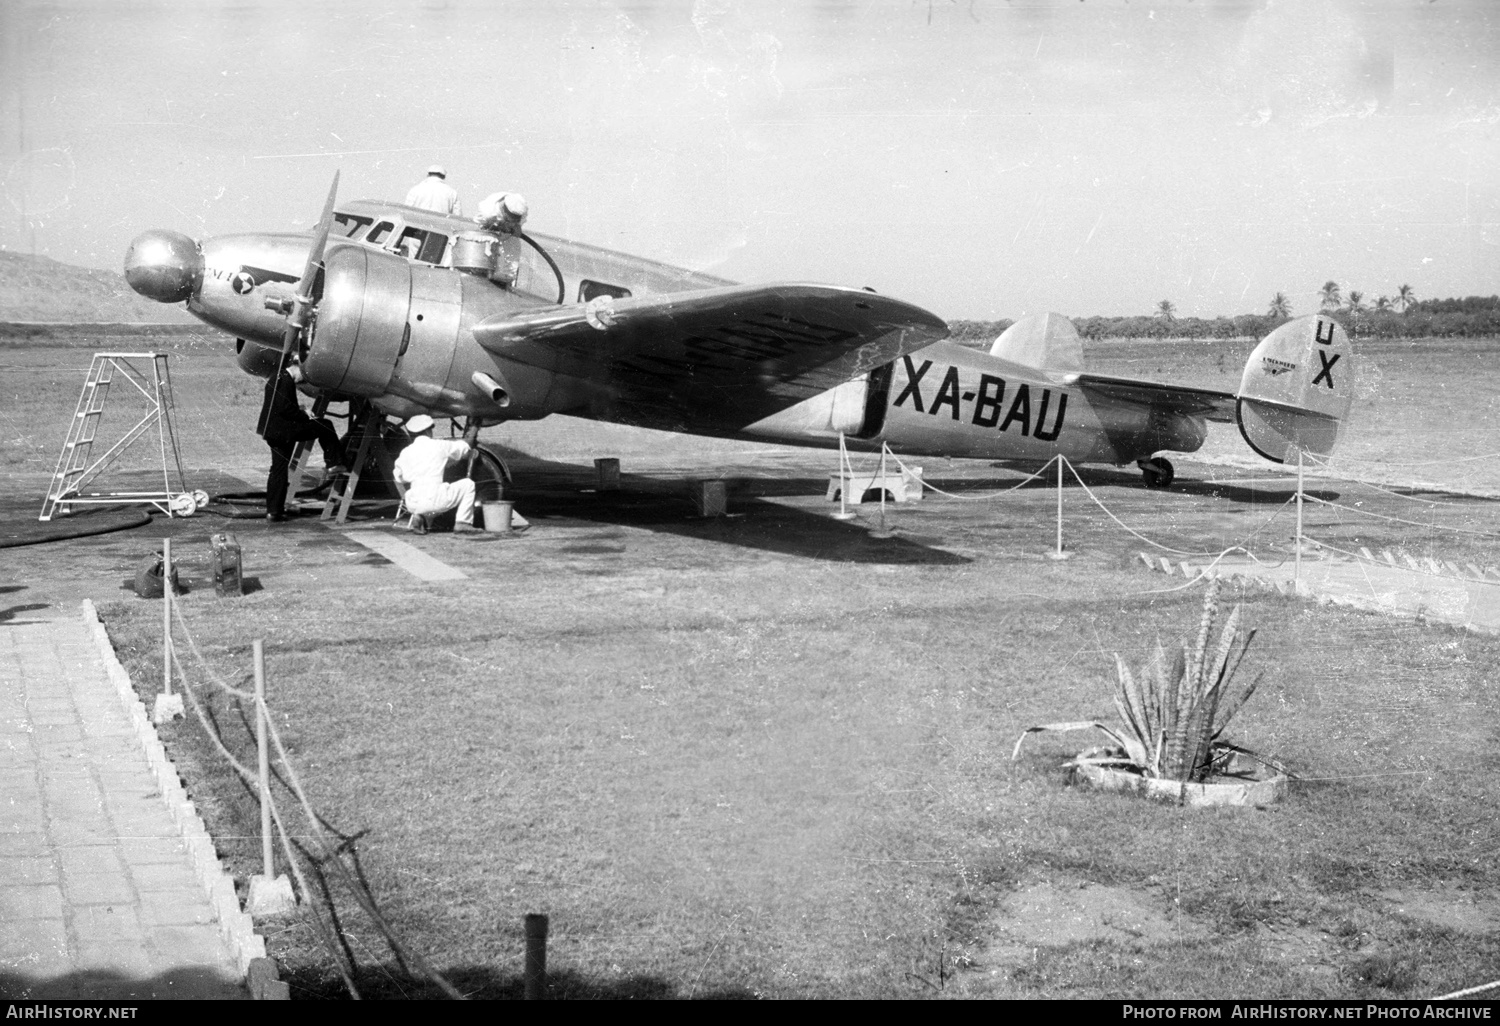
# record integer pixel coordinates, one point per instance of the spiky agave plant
(1174, 711)
(1178, 707)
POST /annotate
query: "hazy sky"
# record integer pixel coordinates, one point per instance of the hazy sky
(984, 159)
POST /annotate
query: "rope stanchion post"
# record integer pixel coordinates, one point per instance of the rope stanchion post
(882, 531)
(846, 472)
(1058, 553)
(168, 706)
(536, 956)
(263, 757)
(1297, 566)
(269, 893)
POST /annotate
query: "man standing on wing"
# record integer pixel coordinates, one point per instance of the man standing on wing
(420, 468)
(435, 194)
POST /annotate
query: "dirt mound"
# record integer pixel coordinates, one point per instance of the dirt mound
(38, 288)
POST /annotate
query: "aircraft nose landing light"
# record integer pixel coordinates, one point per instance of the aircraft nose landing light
(164, 265)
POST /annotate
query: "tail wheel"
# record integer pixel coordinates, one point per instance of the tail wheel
(1157, 472)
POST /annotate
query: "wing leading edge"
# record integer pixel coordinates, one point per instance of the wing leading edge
(1176, 399)
(717, 358)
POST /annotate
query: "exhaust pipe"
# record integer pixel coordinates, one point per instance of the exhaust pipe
(492, 388)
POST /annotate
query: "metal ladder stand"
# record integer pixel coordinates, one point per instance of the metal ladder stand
(74, 467)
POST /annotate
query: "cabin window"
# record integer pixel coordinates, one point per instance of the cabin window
(349, 226)
(588, 290)
(379, 233)
(420, 244)
(432, 249)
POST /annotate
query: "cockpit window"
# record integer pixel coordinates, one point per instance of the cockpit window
(420, 244)
(349, 226)
(379, 232)
(588, 290)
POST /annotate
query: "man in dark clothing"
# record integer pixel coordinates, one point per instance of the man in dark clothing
(283, 424)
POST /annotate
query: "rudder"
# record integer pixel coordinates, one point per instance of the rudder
(1296, 389)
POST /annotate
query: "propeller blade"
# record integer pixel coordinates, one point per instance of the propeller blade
(296, 319)
(320, 239)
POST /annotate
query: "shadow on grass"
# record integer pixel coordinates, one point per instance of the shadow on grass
(556, 494)
(484, 983)
(9, 614)
(182, 983)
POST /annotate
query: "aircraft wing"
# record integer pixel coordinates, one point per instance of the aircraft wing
(1178, 399)
(717, 358)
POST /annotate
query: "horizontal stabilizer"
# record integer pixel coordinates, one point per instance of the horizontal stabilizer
(1296, 389)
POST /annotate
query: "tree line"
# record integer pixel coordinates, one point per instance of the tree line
(1401, 316)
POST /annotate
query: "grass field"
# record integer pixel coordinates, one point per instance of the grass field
(770, 755)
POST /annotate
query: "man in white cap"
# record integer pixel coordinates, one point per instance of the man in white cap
(420, 468)
(435, 194)
(502, 212)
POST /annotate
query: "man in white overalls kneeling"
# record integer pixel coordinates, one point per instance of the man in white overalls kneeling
(420, 468)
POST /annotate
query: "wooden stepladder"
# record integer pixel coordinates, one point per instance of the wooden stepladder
(336, 506)
(77, 466)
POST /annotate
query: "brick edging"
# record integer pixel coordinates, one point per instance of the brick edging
(235, 926)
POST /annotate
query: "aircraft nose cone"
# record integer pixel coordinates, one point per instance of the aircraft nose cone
(164, 265)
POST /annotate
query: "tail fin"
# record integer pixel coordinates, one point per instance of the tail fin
(1296, 389)
(1046, 341)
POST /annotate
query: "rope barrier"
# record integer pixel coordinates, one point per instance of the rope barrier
(1088, 491)
(1424, 463)
(1466, 992)
(975, 498)
(247, 696)
(1400, 520)
(330, 853)
(1379, 488)
(360, 895)
(324, 931)
(1178, 552)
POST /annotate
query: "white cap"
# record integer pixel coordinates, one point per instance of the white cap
(437, 169)
(502, 208)
(421, 422)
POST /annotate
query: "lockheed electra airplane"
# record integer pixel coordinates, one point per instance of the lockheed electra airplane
(411, 312)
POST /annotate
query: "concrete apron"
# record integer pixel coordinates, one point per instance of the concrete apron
(109, 886)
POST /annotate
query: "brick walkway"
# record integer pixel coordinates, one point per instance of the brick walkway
(98, 896)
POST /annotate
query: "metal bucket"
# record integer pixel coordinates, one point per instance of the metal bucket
(497, 516)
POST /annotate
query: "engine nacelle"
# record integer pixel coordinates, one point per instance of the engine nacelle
(385, 326)
(256, 358)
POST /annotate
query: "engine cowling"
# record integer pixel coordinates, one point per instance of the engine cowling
(385, 326)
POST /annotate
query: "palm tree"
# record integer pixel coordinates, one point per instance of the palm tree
(1383, 304)
(1166, 311)
(1281, 307)
(1356, 302)
(1405, 297)
(1331, 295)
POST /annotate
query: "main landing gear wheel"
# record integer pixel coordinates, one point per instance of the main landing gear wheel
(491, 476)
(1157, 472)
